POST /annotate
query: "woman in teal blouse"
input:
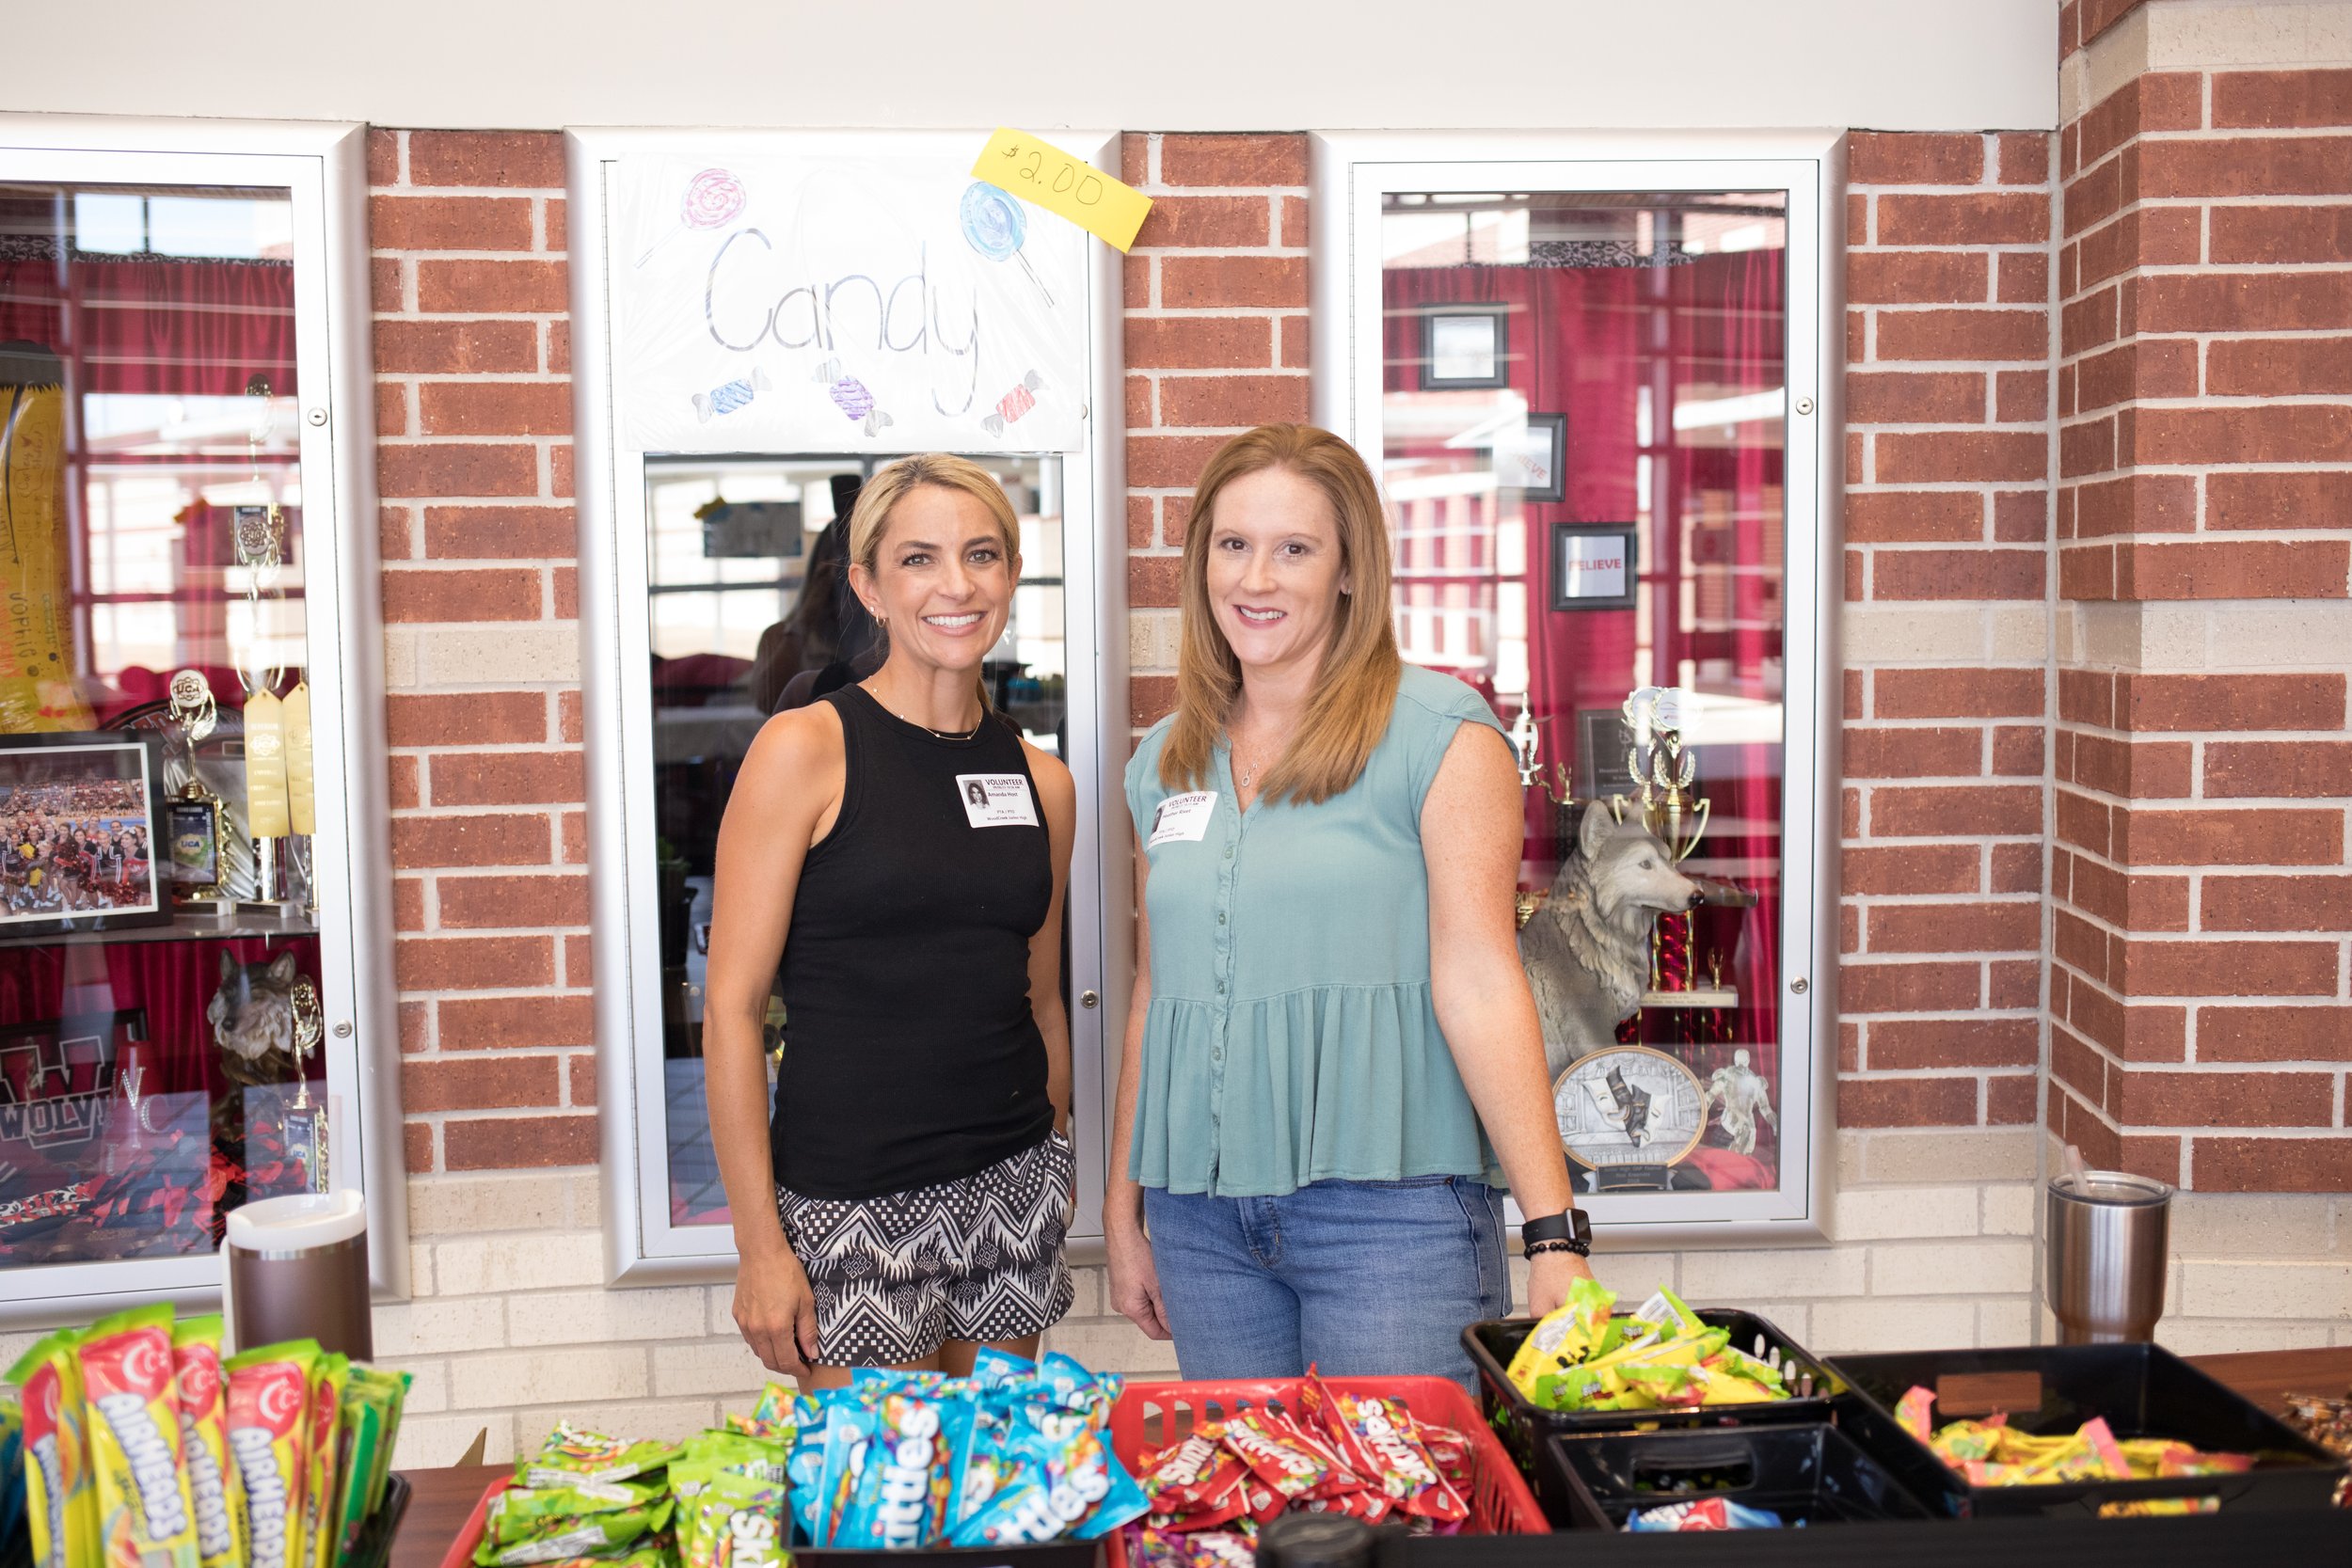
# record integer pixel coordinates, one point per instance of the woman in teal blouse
(1332, 1062)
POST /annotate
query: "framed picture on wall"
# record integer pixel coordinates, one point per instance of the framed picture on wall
(83, 834)
(1594, 565)
(1465, 346)
(1531, 461)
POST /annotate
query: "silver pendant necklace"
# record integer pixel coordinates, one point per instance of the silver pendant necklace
(935, 734)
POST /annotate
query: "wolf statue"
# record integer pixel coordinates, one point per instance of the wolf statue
(252, 1018)
(1587, 950)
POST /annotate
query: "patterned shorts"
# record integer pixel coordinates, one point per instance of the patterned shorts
(977, 1259)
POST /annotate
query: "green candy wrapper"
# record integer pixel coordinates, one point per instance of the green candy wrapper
(596, 1535)
(393, 1387)
(738, 1522)
(571, 1456)
(520, 1513)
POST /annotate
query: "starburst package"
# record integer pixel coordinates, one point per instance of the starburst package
(213, 1488)
(145, 1517)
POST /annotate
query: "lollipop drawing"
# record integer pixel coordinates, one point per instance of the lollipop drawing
(992, 225)
(714, 197)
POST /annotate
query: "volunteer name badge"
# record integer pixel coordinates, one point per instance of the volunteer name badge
(996, 800)
(1182, 818)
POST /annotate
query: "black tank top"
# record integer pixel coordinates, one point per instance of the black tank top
(909, 1052)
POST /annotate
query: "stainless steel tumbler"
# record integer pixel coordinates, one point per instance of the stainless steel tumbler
(2109, 1239)
(298, 1270)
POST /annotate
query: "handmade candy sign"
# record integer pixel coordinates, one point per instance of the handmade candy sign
(837, 304)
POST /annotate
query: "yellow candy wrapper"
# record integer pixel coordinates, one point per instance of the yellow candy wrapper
(60, 1499)
(328, 1376)
(214, 1486)
(145, 1517)
(269, 1436)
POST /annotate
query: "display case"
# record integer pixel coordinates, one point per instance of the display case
(763, 320)
(195, 951)
(1589, 373)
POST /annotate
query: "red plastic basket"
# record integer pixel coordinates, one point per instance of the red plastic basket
(460, 1553)
(1153, 1415)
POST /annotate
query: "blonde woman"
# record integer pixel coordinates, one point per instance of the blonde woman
(1333, 1062)
(902, 853)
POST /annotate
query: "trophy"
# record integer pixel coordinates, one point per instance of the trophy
(195, 815)
(305, 1118)
(259, 535)
(1671, 808)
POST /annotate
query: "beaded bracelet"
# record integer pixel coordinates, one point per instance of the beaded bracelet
(1580, 1249)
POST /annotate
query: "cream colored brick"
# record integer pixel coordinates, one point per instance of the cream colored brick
(1634, 1275)
(667, 1419)
(2223, 1336)
(2276, 1226)
(435, 1325)
(1087, 1293)
(587, 1200)
(609, 1317)
(1792, 1317)
(720, 1313)
(420, 1273)
(725, 1368)
(2115, 59)
(1870, 1214)
(485, 1265)
(447, 1206)
(2253, 1288)
(2279, 634)
(1910, 636)
(577, 1373)
(2012, 1211)
(1155, 637)
(428, 1385)
(1942, 1158)
(1952, 1268)
(458, 658)
(14, 1345)
(2289, 34)
(1856, 1327)
(1851, 1146)
(1734, 1276)
(400, 659)
(1113, 1345)
(429, 1442)
(2019, 636)
(2005, 1323)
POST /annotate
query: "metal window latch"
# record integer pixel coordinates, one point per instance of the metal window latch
(1800, 984)
(1805, 406)
(1090, 999)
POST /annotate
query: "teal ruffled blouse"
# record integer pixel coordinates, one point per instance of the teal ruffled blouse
(1292, 1038)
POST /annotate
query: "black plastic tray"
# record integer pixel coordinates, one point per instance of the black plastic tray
(1810, 1473)
(1522, 1424)
(374, 1546)
(1049, 1554)
(2142, 1390)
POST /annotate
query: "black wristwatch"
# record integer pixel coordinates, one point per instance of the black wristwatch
(1571, 1230)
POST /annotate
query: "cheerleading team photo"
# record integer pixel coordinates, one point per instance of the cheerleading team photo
(77, 832)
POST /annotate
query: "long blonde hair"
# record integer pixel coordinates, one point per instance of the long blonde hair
(869, 519)
(1355, 691)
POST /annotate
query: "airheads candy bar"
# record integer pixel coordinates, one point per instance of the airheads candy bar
(60, 1503)
(269, 1409)
(212, 1484)
(328, 1375)
(146, 1519)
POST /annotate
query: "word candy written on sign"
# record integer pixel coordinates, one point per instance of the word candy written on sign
(1037, 170)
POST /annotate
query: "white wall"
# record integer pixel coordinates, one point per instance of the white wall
(1191, 65)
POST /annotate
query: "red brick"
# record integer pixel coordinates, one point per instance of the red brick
(2234, 570)
(2276, 100)
(1914, 397)
(2144, 1097)
(2086, 697)
(384, 283)
(472, 963)
(409, 903)
(2017, 752)
(2140, 1034)
(1900, 1045)
(2084, 822)
(510, 1023)
(449, 223)
(486, 839)
(2322, 1034)
(1202, 343)
(518, 1142)
(1135, 276)
(1224, 282)
(415, 1148)
(1912, 158)
(2087, 449)
(580, 1073)
(396, 527)
(2013, 985)
(2144, 237)
(1297, 337)
(2091, 199)
(2278, 501)
(2246, 301)
(467, 286)
(480, 1084)
(2281, 235)
(1872, 753)
(1963, 334)
(1857, 577)
(442, 469)
(456, 347)
(416, 1027)
(558, 358)
(1935, 811)
(2025, 157)
(1914, 516)
(1294, 232)
(2024, 278)
(2016, 869)
(508, 778)
(2085, 323)
(2219, 836)
(2141, 903)
(402, 772)
(1140, 412)
(2081, 946)
(2078, 1067)
(1172, 461)
(496, 408)
(1237, 401)
(2274, 1165)
(1906, 1102)
(392, 409)
(1279, 160)
(501, 533)
(1214, 222)
(1956, 575)
(2275, 366)
(1134, 158)
(559, 225)
(2172, 967)
(2021, 396)
(1153, 581)
(2296, 769)
(511, 159)
(2143, 368)
(1910, 868)
(2150, 703)
(564, 590)
(1148, 698)
(412, 594)
(2248, 166)
(573, 828)
(383, 157)
(1142, 529)
(2136, 503)
(2011, 1099)
(1978, 218)
(1906, 457)
(579, 960)
(1958, 693)
(2147, 770)
(471, 719)
(569, 725)
(1917, 278)
(507, 902)
(1973, 927)
(2298, 903)
(1857, 336)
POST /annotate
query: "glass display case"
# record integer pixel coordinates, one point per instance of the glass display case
(192, 844)
(1591, 391)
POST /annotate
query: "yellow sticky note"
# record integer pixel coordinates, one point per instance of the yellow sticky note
(1038, 172)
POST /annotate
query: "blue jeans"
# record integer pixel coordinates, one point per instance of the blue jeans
(1359, 1279)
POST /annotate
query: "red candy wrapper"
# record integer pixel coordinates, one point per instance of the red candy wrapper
(1194, 1472)
(1386, 1430)
(1294, 1463)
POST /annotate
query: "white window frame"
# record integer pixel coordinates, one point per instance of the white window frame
(1350, 175)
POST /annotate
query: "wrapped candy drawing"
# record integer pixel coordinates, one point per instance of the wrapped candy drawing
(851, 397)
(1013, 404)
(713, 197)
(727, 399)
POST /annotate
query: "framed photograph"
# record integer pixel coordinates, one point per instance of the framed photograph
(1531, 462)
(82, 833)
(1594, 565)
(1464, 346)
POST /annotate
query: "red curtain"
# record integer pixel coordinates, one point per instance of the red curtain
(141, 324)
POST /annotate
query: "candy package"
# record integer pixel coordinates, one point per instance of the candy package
(328, 1376)
(1661, 1356)
(60, 1502)
(269, 1432)
(214, 1486)
(1703, 1514)
(600, 1534)
(571, 1455)
(740, 1523)
(145, 1517)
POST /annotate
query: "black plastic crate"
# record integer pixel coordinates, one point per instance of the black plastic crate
(1522, 1424)
(2142, 1390)
(1049, 1554)
(1810, 1473)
